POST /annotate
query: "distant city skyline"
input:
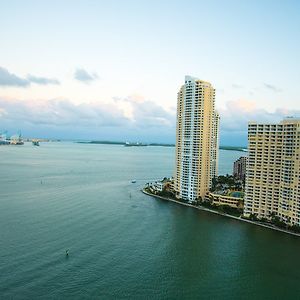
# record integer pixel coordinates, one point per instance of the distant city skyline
(111, 71)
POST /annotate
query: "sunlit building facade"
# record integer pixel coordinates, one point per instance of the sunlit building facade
(273, 171)
(197, 139)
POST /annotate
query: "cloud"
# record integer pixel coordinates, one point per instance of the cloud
(220, 90)
(236, 115)
(82, 75)
(60, 112)
(10, 79)
(237, 86)
(119, 118)
(134, 118)
(2, 112)
(272, 88)
(147, 113)
(42, 80)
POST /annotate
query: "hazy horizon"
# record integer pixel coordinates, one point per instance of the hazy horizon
(115, 141)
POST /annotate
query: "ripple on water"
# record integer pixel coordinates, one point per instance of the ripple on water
(124, 244)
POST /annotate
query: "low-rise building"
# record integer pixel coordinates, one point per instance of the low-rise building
(232, 199)
(163, 185)
(158, 186)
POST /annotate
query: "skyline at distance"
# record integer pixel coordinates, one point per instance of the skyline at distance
(111, 71)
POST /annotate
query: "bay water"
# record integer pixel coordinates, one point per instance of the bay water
(123, 244)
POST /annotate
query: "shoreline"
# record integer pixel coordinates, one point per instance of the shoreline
(220, 214)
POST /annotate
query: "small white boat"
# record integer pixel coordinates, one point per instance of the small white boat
(133, 181)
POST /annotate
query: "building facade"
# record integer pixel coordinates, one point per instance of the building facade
(217, 199)
(197, 139)
(273, 171)
(239, 168)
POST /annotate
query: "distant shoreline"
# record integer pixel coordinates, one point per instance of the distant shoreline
(231, 148)
(220, 214)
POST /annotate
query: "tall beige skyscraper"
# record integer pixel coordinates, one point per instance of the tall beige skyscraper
(273, 171)
(197, 139)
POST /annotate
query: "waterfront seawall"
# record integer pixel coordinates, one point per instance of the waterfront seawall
(220, 213)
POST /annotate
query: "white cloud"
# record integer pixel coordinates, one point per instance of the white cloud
(236, 115)
(42, 80)
(133, 116)
(9, 79)
(62, 114)
(237, 86)
(83, 76)
(272, 87)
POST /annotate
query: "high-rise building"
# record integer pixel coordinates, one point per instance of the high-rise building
(197, 139)
(273, 171)
(239, 168)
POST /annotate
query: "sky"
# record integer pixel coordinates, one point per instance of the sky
(111, 70)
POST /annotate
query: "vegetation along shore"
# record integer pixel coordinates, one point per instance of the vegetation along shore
(222, 211)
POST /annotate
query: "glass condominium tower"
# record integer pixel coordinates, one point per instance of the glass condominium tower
(197, 139)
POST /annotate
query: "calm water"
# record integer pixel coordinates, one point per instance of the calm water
(66, 195)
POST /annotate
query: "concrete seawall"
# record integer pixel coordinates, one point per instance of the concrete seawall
(221, 214)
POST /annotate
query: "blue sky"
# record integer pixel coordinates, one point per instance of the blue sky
(112, 69)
